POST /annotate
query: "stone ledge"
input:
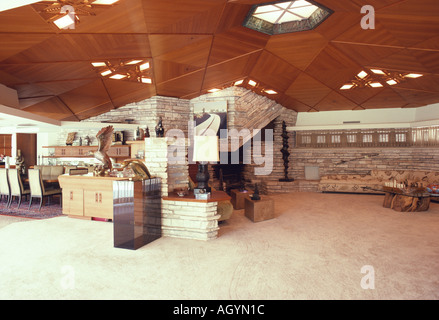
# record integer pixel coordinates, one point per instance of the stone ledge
(190, 234)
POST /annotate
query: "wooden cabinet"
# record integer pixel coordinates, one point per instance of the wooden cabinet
(6, 144)
(136, 148)
(87, 196)
(73, 201)
(98, 203)
(116, 151)
(119, 151)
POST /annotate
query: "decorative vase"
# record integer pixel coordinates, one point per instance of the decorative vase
(433, 188)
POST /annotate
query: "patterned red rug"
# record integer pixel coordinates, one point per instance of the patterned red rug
(48, 210)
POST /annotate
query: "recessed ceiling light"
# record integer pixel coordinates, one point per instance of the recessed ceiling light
(118, 76)
(144, 66)
(105, 73)
(347, 86)
(362, 75)
(375, 84)
(99, 64)
(105, 2)
(270, 91)
(64, 22)
(377, 71)
(391, 82)
(214, 90)
(146, 80)
(252, 83)
(413, 75)
(133, 62)
(237, 83)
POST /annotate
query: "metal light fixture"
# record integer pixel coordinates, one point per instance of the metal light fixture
(375, 78)
(137, 70)
(64, 14)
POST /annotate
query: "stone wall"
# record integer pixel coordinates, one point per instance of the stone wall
(269, 183)
(162, 163)
(192, 220)
(362, 160)
(245, 109)
(175, 114)
(250, 111)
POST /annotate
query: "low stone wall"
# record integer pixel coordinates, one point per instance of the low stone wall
(159, 163)
(191, 220)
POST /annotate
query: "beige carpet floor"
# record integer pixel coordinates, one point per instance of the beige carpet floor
(315, 248)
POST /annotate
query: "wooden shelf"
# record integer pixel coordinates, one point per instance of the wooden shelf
(116, 151)
(54, 157)
(70, 147)
(216, 196)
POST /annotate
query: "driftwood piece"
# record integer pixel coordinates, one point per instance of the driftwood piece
(388, 197)
(406, 203)
(402, 203)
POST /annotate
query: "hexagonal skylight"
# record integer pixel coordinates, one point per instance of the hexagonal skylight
(286, 16)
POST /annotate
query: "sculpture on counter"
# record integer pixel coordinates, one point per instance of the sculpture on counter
(70, 138)
(138, 167)
(147, 132)
(105, 137)
(159, 130)
(87, 140)
(19, 163)
(256, 195)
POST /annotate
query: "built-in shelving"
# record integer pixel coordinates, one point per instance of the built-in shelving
(116, 151)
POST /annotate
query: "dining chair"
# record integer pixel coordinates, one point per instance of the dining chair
(5, 190)
(37, 188)
(16, 185)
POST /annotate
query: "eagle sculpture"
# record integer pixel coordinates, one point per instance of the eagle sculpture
(105, 138)
(139, 169)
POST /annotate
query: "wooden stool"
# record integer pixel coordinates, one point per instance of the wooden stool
(259, 210)
(238, 198)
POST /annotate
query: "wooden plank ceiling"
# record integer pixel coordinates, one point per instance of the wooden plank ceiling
(196, 45)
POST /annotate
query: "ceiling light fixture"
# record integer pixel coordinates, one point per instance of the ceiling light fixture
(413, 75)
(106, 73)
(347, 86)
(144, 66)
(118, 76)
(66, 22)
(270, 91)
(362, 75)
(104, 2)
(137, 70)
(377, 71)
(133, 62)
(252, 83)
(64, 14)
(375, 84)
(377, 77)
(98, 64)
